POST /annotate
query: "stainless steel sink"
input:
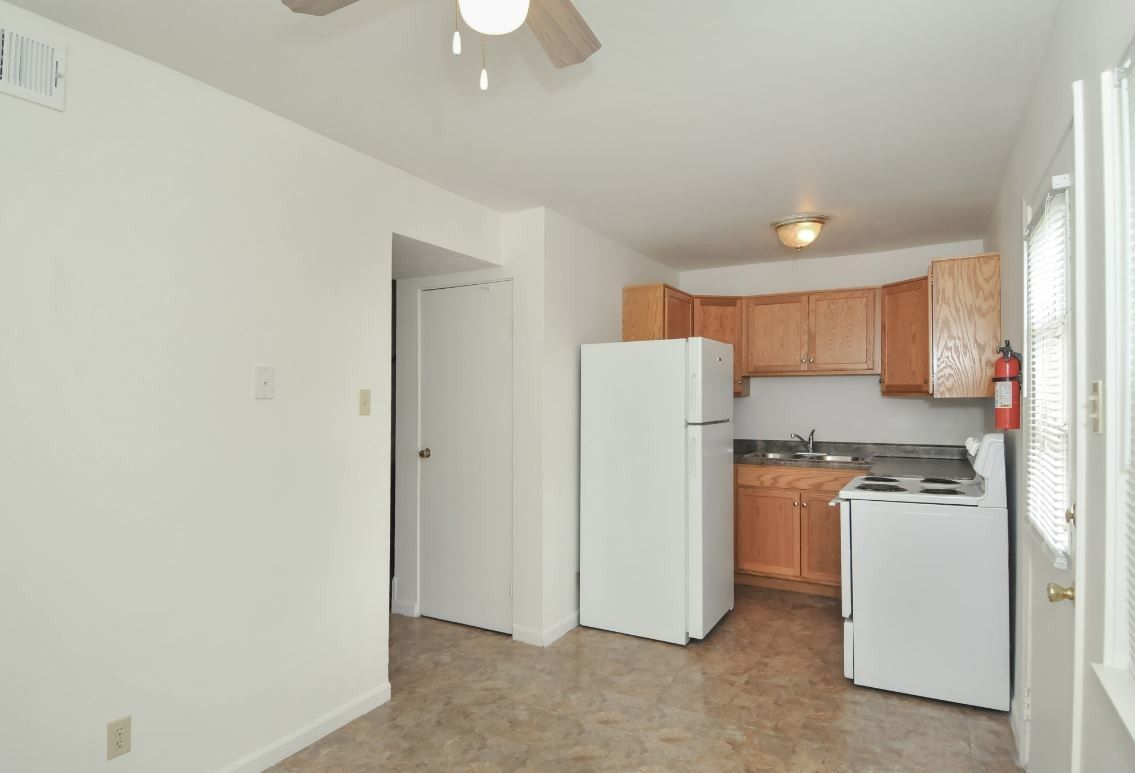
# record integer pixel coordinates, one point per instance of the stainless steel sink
(812, 457)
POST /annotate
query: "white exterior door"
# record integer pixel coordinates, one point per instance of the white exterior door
(466, 457)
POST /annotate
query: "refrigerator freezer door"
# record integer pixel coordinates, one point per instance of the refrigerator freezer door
(710, 472)
(633, 479)
(709, 388)
(931, 586)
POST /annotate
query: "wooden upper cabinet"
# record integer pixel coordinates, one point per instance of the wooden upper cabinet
(720, 319)
(819, 538)
(966, 325)
(679, 314)
(653, 312)
(775, 334)
(842, 330)
(767, 531)
(906, 337)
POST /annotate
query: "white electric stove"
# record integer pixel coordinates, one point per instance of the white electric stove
(925, 581)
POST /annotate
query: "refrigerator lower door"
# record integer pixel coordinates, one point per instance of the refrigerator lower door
(845, 556)
(709, 456)
(709, 376)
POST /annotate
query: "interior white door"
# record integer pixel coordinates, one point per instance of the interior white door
(466, 457)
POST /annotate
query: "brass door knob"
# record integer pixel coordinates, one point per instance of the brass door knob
(1060, 593)
(424, 453)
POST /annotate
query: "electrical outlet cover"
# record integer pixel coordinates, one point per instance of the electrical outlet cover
(117, 737)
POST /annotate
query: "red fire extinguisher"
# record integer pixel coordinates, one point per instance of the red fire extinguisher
(1007, 388)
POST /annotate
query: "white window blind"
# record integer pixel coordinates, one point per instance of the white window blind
(1048, 374)
(1127, 185)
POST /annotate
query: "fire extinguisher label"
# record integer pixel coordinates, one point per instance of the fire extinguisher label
(1003, 394)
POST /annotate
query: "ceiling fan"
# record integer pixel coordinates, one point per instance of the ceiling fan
(557, 25)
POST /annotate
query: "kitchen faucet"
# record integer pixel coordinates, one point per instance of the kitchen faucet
(810, 442)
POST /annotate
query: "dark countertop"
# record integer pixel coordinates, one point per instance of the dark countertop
(882, 458)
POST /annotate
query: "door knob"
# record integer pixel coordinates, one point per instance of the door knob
(424, 453)
(1060, 593)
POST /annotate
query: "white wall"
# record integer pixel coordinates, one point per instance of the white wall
(844, 408)
(584, 274)
(214, 566)
(1089, 36)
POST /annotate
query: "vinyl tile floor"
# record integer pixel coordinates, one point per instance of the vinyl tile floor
(764, 692)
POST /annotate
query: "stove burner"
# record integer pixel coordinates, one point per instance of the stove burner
(941, 491)
(940, 481)
(880, 479)
(879, 487)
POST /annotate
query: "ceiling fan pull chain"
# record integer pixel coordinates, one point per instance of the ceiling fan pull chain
(484, 67)
(456, 28)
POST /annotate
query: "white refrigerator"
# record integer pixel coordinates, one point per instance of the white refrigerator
(656, 487)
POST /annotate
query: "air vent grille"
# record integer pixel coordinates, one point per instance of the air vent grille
(31, 67)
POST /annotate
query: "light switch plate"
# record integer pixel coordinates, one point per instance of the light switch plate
(1095, 406)
(364, 402)
(263, 382)
(117, 737)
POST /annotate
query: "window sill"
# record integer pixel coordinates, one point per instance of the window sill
(1119, 685)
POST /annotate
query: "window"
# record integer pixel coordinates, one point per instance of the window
(1048, 374)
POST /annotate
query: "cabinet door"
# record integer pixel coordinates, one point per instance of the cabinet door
(966, 308)
(720, 319)
(906, 337)
(819, 538)
(767, 538)
(842, 331)
(775, 334)
(643, 313)
(679, 314)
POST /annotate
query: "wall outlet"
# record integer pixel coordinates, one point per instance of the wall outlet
(117, 737)
(364, 402)
(263, 382)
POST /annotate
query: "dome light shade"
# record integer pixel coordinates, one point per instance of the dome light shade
(799, 231)
(494, 17)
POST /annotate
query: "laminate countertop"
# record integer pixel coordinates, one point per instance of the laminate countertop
(889, 459)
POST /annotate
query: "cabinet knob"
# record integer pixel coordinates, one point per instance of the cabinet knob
(803, 504)
(811, 359)
(795, 504)
(425, 453)
(803, 360)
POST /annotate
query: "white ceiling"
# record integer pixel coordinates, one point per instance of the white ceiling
(697, 123)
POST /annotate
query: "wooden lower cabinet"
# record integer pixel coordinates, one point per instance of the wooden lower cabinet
(767, 535)
(819, 538)
(788, 538)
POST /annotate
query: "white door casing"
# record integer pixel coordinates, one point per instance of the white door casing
(466, 361)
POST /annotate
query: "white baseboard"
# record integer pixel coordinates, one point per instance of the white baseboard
(305, 736)
(407, 608)
(526, 635)
(559, 629)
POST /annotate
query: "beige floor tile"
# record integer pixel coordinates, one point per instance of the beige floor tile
(765, 692)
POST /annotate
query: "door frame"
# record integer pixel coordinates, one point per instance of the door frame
(408, 440)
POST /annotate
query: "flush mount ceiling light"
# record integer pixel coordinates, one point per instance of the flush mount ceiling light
(799, 231)
(494, 17)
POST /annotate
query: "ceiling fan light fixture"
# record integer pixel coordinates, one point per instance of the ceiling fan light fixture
(799, 231)
(494, 17)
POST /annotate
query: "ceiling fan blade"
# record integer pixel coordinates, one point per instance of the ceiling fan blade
(561, 30)
(316, 7)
